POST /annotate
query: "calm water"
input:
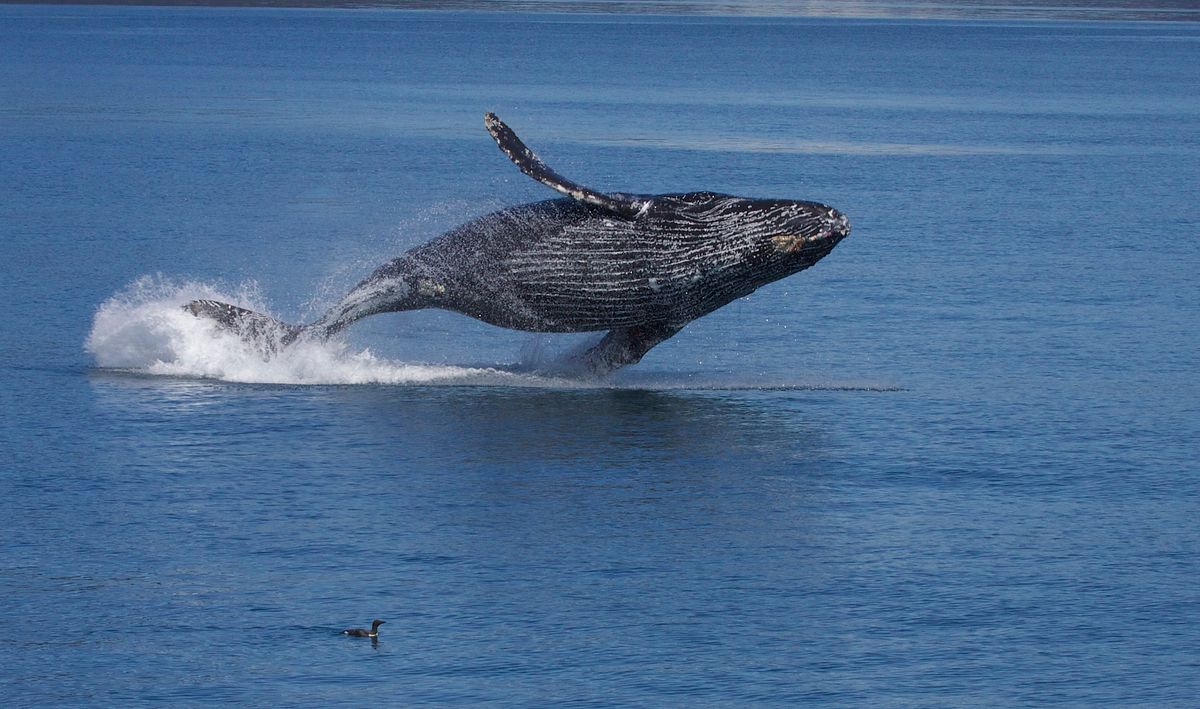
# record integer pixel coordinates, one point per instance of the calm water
(952, 464)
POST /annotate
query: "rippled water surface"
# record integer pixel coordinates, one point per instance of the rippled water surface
(952, 464)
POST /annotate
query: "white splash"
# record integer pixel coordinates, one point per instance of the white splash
(145, 329)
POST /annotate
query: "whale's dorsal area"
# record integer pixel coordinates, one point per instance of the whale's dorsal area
(530, 164)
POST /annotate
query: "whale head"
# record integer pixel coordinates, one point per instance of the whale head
(776, 236)
(800, 231)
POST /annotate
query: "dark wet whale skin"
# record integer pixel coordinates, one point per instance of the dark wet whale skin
(639, 266)
(566, 266)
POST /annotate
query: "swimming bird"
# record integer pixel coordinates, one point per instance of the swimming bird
(363, 632)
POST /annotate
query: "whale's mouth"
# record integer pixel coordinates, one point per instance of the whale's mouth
(794, 243)
(799, 244)
(830, 228)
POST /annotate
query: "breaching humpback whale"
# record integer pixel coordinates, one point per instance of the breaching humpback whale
(639, 266)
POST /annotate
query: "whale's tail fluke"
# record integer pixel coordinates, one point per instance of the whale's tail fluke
(264, 332)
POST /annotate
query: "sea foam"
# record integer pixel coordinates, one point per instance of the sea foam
(144, 329)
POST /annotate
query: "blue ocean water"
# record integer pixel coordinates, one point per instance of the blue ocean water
(952, 464)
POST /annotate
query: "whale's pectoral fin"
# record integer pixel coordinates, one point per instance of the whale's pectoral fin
(623, 205)
(624, 346)
(265, 333)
